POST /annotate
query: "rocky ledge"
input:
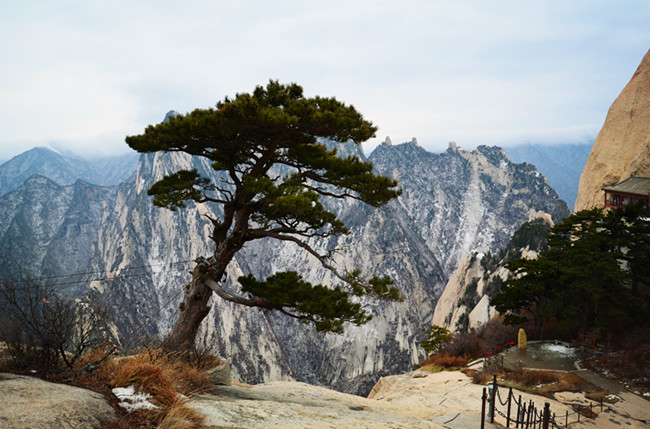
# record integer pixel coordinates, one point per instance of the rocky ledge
(29, 402)
(414, 400)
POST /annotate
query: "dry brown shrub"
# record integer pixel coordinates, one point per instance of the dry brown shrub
(446, 360)
(533, 378)
(463, 344)
(631, 366)
(93, 355)
(479, 377)
(495, 333)
(179, 416)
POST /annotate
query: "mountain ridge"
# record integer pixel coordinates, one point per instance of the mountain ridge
(453, 201)
(64, 169)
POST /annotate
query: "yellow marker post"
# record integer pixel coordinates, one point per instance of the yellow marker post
(522, 341)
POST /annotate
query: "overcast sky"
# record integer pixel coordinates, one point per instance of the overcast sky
(81, 75)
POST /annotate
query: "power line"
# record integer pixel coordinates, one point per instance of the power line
(45, 279)
(102, 272)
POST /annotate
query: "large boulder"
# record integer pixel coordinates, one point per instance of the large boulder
(622, 148)
(29, 402)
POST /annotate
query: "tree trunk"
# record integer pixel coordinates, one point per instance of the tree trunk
(193, 311)
(198, 292)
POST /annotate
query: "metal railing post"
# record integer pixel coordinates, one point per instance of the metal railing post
(483, 398)
(493, 397)
(509, 402)
(547, 415)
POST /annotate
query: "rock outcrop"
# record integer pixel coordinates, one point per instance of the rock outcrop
(622, 148)
(413, 400)
(29, 402)
(416, 399)
(465, 302)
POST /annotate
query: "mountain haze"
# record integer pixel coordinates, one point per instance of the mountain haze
(561, 164)
(65, 169)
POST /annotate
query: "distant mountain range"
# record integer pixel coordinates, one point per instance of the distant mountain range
(561, 164)
(65, 169)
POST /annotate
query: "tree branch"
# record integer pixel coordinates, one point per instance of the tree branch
(321, 258)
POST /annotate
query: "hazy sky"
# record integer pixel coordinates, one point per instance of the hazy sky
(81, 75)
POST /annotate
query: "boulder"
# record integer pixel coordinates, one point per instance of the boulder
(220, 375)
(29, 402)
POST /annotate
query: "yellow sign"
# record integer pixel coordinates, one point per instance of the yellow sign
(522, 341)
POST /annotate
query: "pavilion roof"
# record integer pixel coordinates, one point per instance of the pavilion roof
(633, 185)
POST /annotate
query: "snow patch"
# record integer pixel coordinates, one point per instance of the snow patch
(559, 349)
(132, 400)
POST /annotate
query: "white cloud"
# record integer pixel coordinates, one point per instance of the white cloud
(89, 73)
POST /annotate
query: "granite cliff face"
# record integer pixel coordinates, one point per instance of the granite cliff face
(465, 302)
(622, 148)
(49, 230)
(140, 256)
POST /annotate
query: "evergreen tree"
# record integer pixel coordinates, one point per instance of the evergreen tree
(436, 336)
(244, 138)
(594, 275)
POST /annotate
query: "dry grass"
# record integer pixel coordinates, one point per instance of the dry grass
(543, 383)
(159, 374)
(165, 376)
(441, 361)
(148, 378)
(179, 416)
(533, 378)
(479, 377)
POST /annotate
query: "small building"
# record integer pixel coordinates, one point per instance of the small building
(629, 191)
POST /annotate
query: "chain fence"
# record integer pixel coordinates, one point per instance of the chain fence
(527, 415)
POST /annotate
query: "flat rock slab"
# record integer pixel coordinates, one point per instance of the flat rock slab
(413, 400)
(299, 405)
(29, 402)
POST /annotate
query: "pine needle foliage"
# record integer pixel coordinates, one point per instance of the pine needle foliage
(274, 173)
(594, 276)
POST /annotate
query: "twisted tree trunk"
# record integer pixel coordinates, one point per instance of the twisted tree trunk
(192, 312)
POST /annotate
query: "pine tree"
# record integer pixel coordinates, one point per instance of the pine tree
(593, 277)
(244, 138)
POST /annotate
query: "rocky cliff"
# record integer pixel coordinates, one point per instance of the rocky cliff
(465, 302)
(139, 256)
(622, 148)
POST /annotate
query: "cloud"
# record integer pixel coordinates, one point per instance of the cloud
(85, 73)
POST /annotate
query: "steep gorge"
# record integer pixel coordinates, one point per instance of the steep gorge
(453, 203)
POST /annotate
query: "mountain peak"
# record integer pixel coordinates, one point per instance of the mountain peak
(170, 114)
